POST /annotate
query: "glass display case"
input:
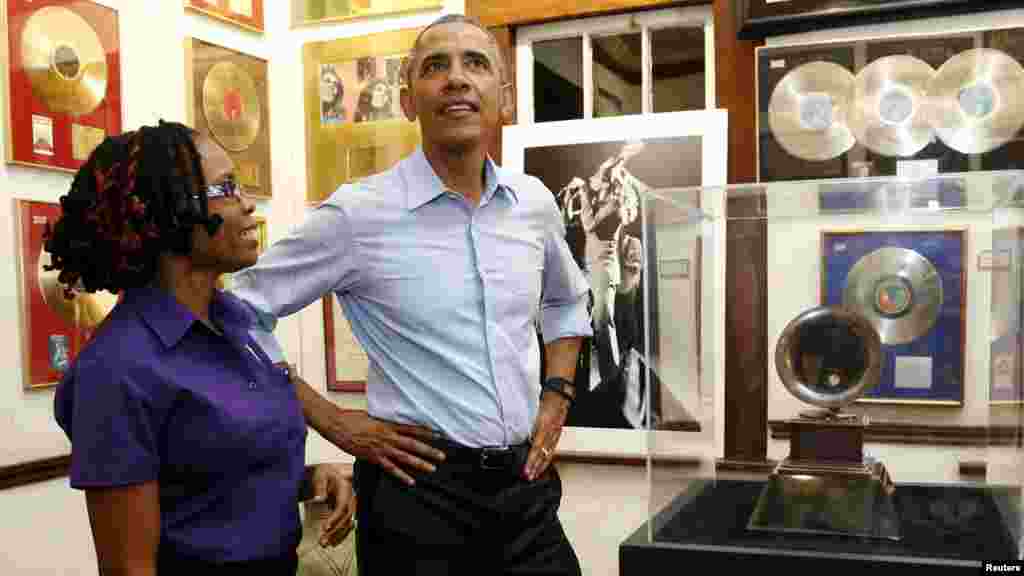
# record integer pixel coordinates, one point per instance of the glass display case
(881, 319)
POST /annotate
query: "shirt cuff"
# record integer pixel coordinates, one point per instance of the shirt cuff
(565, 321)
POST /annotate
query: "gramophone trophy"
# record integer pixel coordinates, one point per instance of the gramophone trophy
(828, 356)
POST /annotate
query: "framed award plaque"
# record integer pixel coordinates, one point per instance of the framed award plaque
(229, 96)
(53, 328)
(320, 11)
(247, 14)
(758, 19)
(911, 286)
(64, 81)
(355, 126)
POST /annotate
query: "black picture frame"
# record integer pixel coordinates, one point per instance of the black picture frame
(758, 19)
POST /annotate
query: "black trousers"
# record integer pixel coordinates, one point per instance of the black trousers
(461, 519)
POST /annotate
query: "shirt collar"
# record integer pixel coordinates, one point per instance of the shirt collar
(424, 185)
(170, 320)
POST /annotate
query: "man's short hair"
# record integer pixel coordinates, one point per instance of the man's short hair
(454, 19)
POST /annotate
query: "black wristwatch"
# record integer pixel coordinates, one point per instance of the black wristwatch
(560, 386)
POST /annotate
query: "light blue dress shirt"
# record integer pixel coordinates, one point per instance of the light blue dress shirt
(444, 297)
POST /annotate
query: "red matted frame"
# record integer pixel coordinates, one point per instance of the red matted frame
(25, 110)
(44, 334)
(350, 375)
(246, 14)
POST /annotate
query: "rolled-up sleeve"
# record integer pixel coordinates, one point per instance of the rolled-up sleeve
(565, 292)
(315, 259)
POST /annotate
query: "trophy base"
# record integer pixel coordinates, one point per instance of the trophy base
(825, 498)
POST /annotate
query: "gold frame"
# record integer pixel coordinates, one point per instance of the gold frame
(301, 9)
(965, 250)
(258, 155)
(190, 7)
(330, 146)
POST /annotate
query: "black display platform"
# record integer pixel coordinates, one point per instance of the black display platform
(945, 529)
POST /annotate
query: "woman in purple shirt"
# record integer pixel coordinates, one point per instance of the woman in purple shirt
(188, 442)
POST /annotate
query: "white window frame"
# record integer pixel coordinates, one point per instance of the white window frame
(588, 28)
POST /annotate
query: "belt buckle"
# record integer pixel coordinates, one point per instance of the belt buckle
(499, 454)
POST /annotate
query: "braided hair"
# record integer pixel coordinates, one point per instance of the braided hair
(139, 195)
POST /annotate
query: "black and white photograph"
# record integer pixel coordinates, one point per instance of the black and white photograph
(621, 184)
(600, 186)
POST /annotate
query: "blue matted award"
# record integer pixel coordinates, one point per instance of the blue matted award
(910, 286)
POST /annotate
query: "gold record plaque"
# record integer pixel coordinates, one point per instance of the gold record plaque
(354, 122)
(231, 106)
(229, 103)
(64, 81)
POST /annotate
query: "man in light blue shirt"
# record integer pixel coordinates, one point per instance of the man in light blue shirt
(445, 265)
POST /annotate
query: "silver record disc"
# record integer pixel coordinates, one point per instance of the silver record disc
(808, 111)
(898, 290)
(888, 113)
(975, 100)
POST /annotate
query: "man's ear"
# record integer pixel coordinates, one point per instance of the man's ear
(408, 102)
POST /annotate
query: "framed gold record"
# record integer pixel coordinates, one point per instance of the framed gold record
(322, 11)
(63, 81)
(354, 121)
(246, 14)
(229, 102)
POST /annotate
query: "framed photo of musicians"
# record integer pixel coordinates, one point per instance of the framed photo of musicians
(911, 286)
(355, 126)
(230, 102)
(245, 14)
(53, 328)
(603, 174)
(64, 81)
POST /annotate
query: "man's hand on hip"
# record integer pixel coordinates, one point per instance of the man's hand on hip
(546, 432)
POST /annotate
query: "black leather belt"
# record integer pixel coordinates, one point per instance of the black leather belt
(500, 458)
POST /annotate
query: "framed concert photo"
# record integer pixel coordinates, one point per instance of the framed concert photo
(325, 11)
(355, 126)
(347, 363)
(626, 188)
(758, 19)
(246, 14)
(64, 81)
(53, 328)
(911, 286)
(230, 102)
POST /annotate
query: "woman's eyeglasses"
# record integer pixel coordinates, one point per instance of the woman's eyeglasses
(226, 189)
